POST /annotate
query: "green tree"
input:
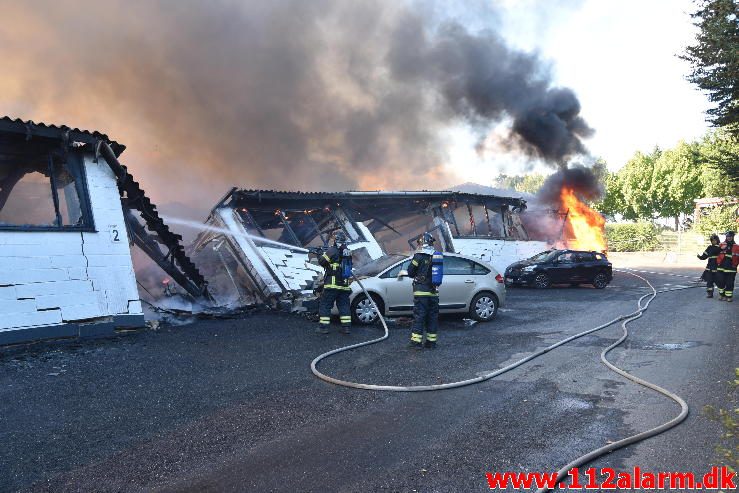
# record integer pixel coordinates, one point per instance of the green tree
(635, 180)
(718, 220)
(718, 154)
(715, 183)
(612, 202)
(676, 182)
(665, 184)
(529, 183)
(715, 60)
(600, 170)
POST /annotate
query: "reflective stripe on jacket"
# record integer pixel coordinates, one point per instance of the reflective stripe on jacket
(331, 262)
(711, 253)
(728, 258)
(420, 271)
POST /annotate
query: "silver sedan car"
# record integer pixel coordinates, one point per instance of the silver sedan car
(470, 287)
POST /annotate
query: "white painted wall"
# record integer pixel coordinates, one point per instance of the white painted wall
(55, 277)
(373, 248)
(278, 268)
(499, 253)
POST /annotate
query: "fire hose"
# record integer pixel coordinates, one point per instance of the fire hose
(642, 306)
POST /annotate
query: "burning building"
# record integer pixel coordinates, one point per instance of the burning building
(69, 212)
(254, 241)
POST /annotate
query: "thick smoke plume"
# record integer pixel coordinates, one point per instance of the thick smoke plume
(482, 80)
(286, 94)
(581, 180)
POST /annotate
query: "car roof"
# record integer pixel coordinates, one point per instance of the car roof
(467, 257)
(450, 254)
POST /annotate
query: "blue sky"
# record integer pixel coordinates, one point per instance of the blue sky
(620, 57)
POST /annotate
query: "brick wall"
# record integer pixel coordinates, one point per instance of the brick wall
(57, 277)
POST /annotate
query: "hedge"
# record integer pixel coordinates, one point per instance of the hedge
(632, 237)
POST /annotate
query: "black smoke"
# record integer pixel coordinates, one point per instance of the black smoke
(286, 94)
(580, 179)
(483, 80)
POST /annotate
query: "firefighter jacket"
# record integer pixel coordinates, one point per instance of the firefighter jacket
(711, 253)
(330, 260)
(420, 271)
(728, 257)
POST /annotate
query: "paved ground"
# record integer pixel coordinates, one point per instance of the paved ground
(232, 405)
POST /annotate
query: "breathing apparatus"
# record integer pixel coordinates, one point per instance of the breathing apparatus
(346, 254)
(426, 245)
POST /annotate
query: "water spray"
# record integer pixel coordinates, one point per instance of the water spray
(215, 229)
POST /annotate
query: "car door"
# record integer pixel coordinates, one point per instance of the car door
(398, 290)
(459, 283)
(585, 266)
(563, 268)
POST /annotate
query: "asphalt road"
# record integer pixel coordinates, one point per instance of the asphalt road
(232, 405)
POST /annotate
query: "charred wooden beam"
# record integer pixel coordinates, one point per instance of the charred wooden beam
(176, 263)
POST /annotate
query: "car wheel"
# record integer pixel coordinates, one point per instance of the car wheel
(542, 281)
(362, 310)
(484, 307)
(600, 281)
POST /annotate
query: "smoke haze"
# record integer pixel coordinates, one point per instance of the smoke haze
(285, 94)
(579, 179)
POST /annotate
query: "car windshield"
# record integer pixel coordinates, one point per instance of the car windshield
(544, 256)
(376, 266)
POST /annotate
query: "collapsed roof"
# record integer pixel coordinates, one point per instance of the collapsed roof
(22, 139)
(376, 209)
(255, 238)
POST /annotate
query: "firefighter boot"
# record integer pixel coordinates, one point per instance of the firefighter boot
(323, 323)
(430, 341)
(709, 293)
(416, 341)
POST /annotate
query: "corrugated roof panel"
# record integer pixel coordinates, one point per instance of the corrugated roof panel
(45, 130)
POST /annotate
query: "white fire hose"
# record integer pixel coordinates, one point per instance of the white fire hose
(625, 319)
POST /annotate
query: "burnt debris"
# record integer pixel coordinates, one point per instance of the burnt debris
(253, 245)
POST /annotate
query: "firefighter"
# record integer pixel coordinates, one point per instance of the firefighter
(337, 262)
(728, 259)
(710, 275)
(426, 271)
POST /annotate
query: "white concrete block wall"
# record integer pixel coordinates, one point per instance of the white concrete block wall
(499, 253)
(55, 277)
(278, 268)
(374, 249)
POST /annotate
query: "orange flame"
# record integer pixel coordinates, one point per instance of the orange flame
(586, 229)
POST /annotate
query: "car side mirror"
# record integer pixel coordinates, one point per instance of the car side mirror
(402, 274)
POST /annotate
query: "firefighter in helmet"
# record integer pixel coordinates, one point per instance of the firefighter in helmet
(426, 270)
(337, 262)
(710, 275)
(728, 259)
